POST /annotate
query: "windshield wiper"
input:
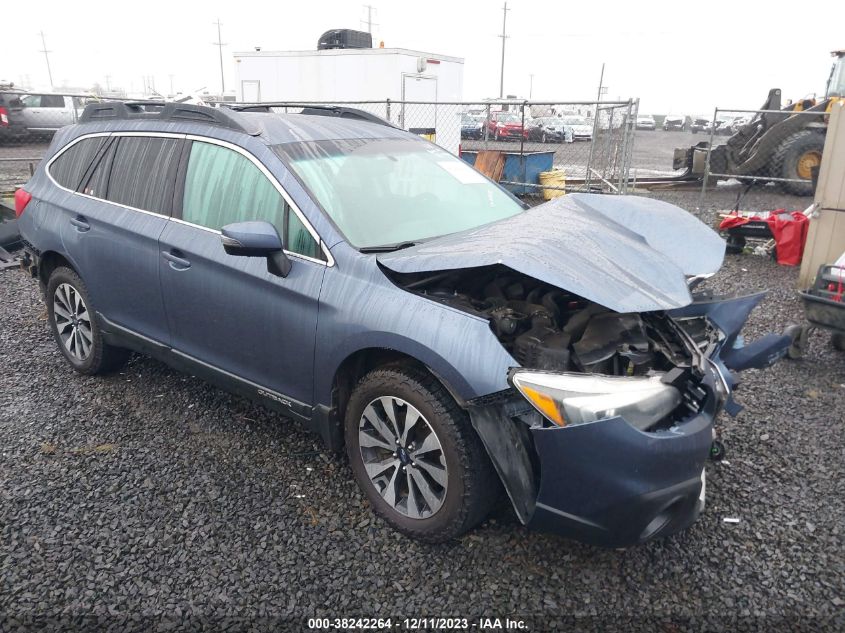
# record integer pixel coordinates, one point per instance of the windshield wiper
(387, 248)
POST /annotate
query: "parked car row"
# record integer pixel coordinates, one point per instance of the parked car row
(508, 125)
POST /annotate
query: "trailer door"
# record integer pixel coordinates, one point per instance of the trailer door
(251, 89)
(419, 118)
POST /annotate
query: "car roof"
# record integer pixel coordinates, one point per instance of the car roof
(294, 128)
(269, 127)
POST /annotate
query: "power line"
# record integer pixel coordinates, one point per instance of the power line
(219, 44)
(504, 36)
(47, 59)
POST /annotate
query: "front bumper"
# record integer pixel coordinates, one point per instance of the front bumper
(610, 484)
(606, 482)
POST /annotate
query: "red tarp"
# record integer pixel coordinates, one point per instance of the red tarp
(788, 228)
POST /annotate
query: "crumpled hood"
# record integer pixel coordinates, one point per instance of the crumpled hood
(626, 253)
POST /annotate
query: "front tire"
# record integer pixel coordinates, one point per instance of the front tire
(75, 328)
(415, 455)
(794, 159)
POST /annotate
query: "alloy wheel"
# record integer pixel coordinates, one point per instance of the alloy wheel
(73, 322)
(403, 457)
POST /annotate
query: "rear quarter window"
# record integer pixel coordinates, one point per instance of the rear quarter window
(71, 165)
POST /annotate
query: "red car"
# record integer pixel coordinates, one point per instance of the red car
(505, 125)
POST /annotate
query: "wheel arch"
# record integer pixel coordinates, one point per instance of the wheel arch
(359, 363)
(50, 261)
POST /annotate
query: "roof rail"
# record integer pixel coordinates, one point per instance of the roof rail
(164, 111)
(315, 110)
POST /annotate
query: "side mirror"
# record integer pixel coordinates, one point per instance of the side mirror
(256, 239)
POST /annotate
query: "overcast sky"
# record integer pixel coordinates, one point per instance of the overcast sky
(677, 56)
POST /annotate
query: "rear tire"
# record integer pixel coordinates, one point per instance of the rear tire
(75, 328)
(838, 341)
(791, 160)
(441, 512)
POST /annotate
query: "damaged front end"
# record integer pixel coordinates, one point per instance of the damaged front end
(604, 434)
(619, 371)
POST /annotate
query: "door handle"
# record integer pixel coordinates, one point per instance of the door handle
(81, 224)
(176, 262)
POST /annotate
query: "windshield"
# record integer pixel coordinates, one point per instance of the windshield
(836, 85)
(574, 120)
(381, 192)
(508, 117)
(549, 120)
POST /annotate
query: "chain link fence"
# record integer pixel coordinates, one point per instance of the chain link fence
(588, 143)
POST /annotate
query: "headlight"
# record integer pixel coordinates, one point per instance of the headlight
(568, 399)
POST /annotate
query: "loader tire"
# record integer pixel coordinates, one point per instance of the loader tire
(794, 159)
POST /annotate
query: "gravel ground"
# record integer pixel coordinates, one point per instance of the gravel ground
(150, 494)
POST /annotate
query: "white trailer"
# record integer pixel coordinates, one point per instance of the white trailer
(362, 74)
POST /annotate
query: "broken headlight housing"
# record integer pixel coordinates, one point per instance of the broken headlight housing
(567, 399)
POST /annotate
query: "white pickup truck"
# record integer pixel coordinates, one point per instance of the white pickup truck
(45, 113)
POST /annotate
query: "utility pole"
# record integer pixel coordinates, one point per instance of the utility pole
(47, 59)
(219, 44)
(369, 20)
(530, 85)
(602, 90)
(108, 84)
(504, 36)
(171, 84)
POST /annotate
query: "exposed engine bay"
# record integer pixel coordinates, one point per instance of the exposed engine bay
(546, 328)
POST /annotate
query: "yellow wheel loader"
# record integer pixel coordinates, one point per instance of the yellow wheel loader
(778, 145)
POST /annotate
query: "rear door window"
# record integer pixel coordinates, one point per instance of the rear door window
(52, 101)
(143, 173)
(223, 187)
(69, 168)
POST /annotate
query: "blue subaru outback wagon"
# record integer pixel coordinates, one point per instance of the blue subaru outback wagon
(397, 302)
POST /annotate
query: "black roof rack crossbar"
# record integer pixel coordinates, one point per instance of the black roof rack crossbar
(314, 110)
(163, 111)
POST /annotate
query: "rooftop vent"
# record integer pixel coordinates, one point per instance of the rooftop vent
(344, 38)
